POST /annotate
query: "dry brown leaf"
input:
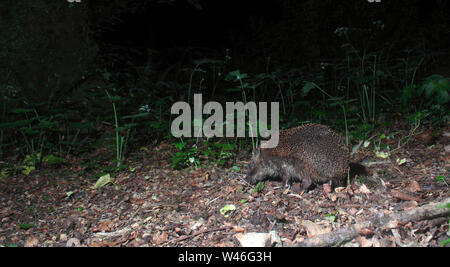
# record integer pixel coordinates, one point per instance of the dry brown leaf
(105, 226)
(365, 243)
(254, 239)
(410, 205)
(313, 229)
(238, 229)
(352, 211)
(160, 238)
(366, 231)
(414, 187)
(364, 190)
(326, 188)
(32, 241)
(403, 196)
(447, 149)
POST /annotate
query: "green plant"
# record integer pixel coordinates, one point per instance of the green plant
(237, 76)
(259, 187)
(119, 139)
(434, 90)
(29, 163)
(185, 156)
(363, 74)
(26, 226)
(223, 152)
(442, 179)
(335, 101)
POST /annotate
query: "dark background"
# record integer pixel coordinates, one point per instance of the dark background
(349, 64)
(292, 33)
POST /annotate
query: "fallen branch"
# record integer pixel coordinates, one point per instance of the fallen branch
(429, 211)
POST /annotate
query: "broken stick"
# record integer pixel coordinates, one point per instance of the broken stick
(429, 211)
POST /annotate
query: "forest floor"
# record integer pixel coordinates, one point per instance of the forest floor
(155, 205)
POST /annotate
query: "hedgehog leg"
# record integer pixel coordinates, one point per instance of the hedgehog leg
(296, 188)
(306, 183)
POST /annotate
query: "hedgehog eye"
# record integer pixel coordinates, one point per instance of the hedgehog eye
(251, 169)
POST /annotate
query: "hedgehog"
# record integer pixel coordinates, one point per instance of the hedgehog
(310, 154)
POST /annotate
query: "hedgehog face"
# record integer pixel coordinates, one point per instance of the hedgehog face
(254, 174)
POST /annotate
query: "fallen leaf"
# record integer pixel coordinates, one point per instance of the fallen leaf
(313, 229)
(365, 243)
(352, 211)
(227, 210)
(238, 229)
(382, 155)
(366, 231)
(400, 162)
(105, 226)
(32, 241)
(326, 188)
(414, 187)
(73, 242)
(447, 149)
(160, 238)
(403, 196)
(364, 190)
(332, 197)
(102, 181)
(258, 240)
(63, 237)
(424, 137)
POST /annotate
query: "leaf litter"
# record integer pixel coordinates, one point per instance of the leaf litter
(212, 206)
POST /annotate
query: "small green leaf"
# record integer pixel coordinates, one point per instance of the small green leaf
(401, 162)
(259, 187)
(441, 179)
(236, 168)
(104, 180)
(382, 155)
(53, 160)
(226, 211)
(26, 226)
(330, 217)
(21, 110)
(445, 242)
(307, 88)
(28, 169)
